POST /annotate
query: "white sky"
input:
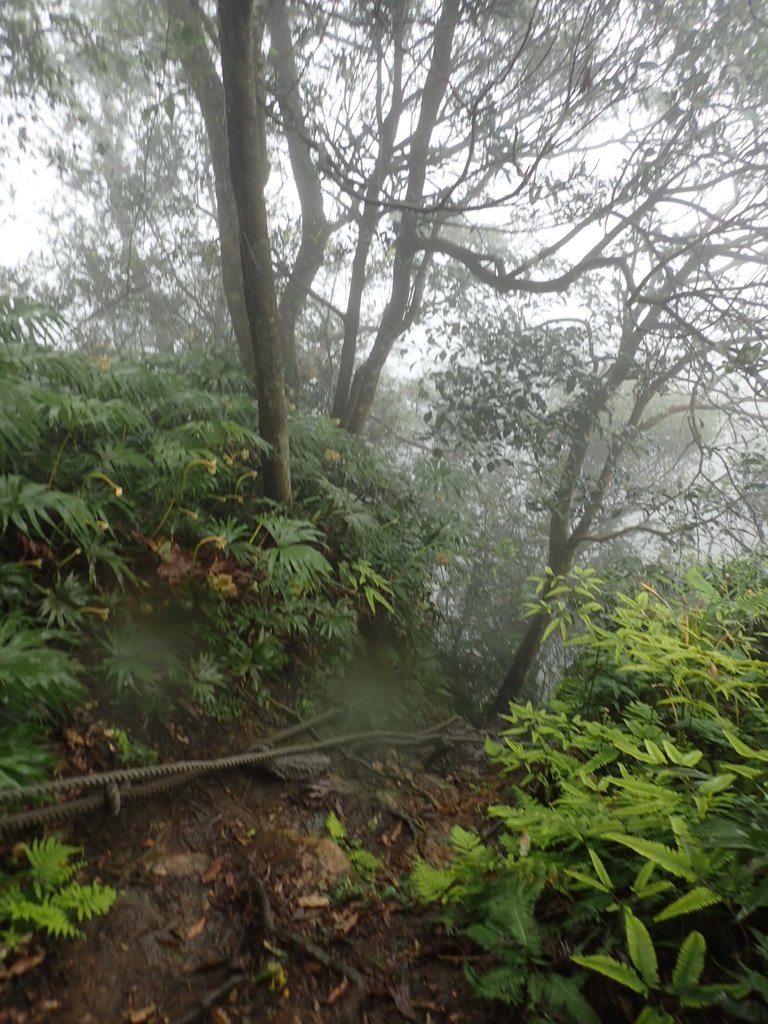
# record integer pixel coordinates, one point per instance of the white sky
(27, 188)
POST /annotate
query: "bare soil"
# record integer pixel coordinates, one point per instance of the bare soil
(236, 906)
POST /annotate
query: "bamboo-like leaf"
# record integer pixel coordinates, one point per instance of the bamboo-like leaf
(742, 748)
(641, 949)
(685, 760)
(696, 899)
(690, 963)
(626, 746)
(655, 752)
(613, 969)
(600, 869)
(587, 880)
(552, 625)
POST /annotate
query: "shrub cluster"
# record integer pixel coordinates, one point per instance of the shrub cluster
(629, 868)
(140, 564)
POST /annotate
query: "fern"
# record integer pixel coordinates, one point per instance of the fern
(45, 897)
(690, 963)
(697, 899)
(611, 968)
(641, 950)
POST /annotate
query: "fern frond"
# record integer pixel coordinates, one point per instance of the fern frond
(697, 899)
(49, 860)
(690, 963)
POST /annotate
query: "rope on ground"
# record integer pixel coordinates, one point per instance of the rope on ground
(121, 785)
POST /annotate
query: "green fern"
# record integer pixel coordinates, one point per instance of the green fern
(45, 897)
(690, 963)
(697, 899)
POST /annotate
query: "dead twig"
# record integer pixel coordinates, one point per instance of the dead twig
(211, 999)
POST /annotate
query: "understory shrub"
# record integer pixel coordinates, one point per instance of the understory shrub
(140, 565)
(630, 866)
(42, 895)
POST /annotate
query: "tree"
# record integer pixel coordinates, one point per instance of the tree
(686, 320)
(240, 33)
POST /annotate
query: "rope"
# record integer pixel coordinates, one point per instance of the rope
(116, 786)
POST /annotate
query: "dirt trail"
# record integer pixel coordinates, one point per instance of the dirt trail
(236, 906)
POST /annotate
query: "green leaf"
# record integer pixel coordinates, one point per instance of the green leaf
(650, 1015)
(655, 752)
(336, 828)
(641, 949)
(690, 963)
(600, 869)
(671, 860)
(587, 880)
(552, 625)
(741, 748)
(613, 969)
(687, 760)
(696, 899)
(718, 783)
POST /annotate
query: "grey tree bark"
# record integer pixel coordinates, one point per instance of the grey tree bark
(240, 36)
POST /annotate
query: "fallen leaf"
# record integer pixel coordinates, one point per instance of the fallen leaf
(314, 901)
(336, 993)
(346, 922)
(25, 964)
(401, 996)
(219, 1016)
(175, 565)
(212, 871)
(195, 929)
(390, 837)
(72, 738)
(180, 864)
(144, 1014)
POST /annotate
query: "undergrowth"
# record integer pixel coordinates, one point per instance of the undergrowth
(140, 566)
(628, 873)
(43, 896)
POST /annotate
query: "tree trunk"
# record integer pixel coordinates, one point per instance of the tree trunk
(248, 171)
(315, 229)
(368, 218)
(200, 72)
(404, 295)
(527, 653)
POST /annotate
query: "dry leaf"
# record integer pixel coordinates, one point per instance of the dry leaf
(144, 1014)
(72, 738)
(195, 929)
(180, 864)
(219, 1016)
(336, 993)
(390, 837)
(25, 964)
(314, 901)
(401, 995)
(346, 922)
(212, 871)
